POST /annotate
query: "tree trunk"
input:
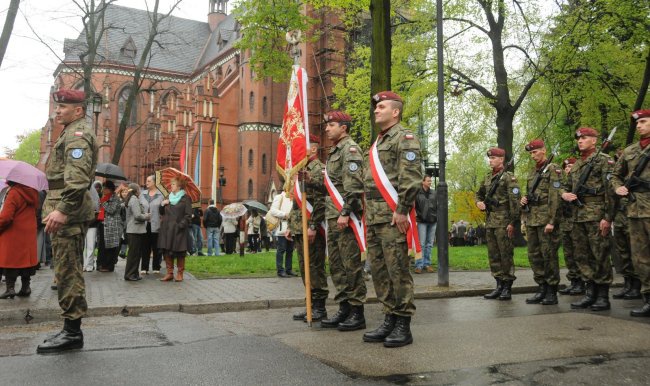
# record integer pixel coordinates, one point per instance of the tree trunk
(504, 130)
(9, 26)
(380, 59)
(640, 97)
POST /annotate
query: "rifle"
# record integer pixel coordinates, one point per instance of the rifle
(580, 188)
(489, 201)
(634, 180)
(530, 195)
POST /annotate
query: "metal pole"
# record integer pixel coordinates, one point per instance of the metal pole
(443, 241)
(96, 123)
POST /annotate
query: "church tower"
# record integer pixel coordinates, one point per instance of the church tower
(218, 12)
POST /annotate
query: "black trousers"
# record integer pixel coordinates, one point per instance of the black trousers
(136, 243)
(106, 257)
(230, 242)
(150, 248)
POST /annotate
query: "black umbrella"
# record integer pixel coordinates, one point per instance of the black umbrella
(252, 204)
(110, 171)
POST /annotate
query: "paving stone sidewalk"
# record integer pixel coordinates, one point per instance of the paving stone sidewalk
(109, 294)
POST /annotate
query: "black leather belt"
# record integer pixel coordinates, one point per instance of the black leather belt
(55, 184)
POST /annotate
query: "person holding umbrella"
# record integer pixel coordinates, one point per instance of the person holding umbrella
(176, 212)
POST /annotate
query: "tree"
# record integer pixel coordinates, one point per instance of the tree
(29, 147)
(8, 28)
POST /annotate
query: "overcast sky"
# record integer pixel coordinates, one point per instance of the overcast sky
(28, 65)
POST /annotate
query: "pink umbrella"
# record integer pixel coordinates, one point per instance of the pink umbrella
(23, 173)
(3, 183)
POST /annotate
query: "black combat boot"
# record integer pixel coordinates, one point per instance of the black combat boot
(506, 292)
(645, 309)
(635, 290)
(496, 292)
(588, 299)
(569, 287)
(318, 311)
(627, 286)
(354, 321)
(401, 334)
(25, 289)
(70, 338)
(302, 315)
(380, 333)
(539, 295)
(579, 289)
(550, 297)
(602, 298)
(11, 289)
(341, 315)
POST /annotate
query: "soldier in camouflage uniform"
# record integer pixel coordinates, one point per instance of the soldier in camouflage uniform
(503, 209)
(344, 169)
(592, 221)
(67, 212)
(398, 155)
(638, 206)
(315, 192)
(542, 224)
(577, 286)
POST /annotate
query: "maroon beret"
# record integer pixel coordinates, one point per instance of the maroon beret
(313, 138)
(69, 96)
(569, 161)
(586, 132)
(641, 114)
(534, 145)
(385, 96)
(337, 116)
(496, 152)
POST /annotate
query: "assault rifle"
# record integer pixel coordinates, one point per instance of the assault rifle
(530, 195)
(490, 201)
(634, 181)
(580, 188)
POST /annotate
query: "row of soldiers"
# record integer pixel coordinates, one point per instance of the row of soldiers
(576, 205)
(389, 178)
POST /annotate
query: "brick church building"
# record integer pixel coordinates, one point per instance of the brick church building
(196, 78)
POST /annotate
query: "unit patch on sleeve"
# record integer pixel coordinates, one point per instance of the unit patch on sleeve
(76, 153)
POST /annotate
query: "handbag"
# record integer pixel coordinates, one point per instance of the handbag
(272, 222)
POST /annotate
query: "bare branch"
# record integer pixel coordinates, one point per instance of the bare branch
(464, 79)
(471, 23)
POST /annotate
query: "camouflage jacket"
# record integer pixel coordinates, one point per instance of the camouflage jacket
(399, 153)
(624, 168)
(315, 190)
(70, 170)
(566, 220)
(546, 210)
(598, 202)
(345, 170)
(507, 195)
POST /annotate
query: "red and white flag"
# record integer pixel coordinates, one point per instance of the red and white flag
(293, 145)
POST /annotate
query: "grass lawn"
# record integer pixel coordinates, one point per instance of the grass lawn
(263, 264)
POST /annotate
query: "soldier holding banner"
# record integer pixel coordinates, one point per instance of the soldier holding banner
(343, 179)
(392, 179)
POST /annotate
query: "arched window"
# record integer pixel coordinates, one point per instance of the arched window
(264, 163)
(250, 158)
(264, 106)
(250, 188)
(121, 106)
(241, 156)
(251, 101)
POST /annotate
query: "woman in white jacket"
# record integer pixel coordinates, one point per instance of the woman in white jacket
(280, 208)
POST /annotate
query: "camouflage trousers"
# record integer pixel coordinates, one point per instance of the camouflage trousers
(500, 254)
(389, 265)
(639, 241)
(592, 252)
(317, 275)
(569, 256)
(622, 243)
(67, 250)
(542, 254)
(346, 268)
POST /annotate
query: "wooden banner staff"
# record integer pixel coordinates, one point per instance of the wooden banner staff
(305, 250)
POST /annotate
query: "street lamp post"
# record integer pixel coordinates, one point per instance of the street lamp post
(222, 183)
(97, 109)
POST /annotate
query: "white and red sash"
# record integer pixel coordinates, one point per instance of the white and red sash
(389, 194)
(358, 226)
(310, 208)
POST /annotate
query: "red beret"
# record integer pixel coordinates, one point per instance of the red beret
(69, 96)
(641, 114)
(313, 138)
(385, 96)
(586, 132)
(496, 152)
(569, 161)
(337, 116)
(534, 145)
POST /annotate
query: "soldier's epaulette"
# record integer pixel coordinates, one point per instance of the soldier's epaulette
(408, 136)
(353, 149)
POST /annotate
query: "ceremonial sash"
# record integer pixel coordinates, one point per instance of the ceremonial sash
(358, 226)
(310, 208)
(389, 194)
